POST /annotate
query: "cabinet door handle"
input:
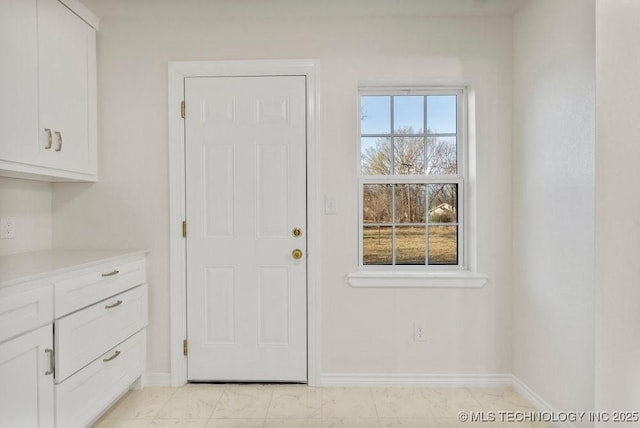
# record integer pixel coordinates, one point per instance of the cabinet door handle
(118, 303)
(52, 362)
(59, 135)
(113, 272)
(49, 139)
(113, 357)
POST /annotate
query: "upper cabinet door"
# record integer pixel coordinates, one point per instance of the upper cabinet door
(18, 80)
(66, 51)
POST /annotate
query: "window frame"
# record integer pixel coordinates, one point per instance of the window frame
(460, 178)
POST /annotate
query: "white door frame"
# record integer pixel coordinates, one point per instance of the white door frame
(178, 71)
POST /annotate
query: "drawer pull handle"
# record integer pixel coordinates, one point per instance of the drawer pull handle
(113, 272)
(51, 362)
(118, 303)
(113, 357)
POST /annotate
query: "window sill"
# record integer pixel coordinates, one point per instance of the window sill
(409, 279)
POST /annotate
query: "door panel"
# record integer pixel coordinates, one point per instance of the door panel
(219, 303)
(219, 190)
(245, 192)
(272, 191)
(273, 320)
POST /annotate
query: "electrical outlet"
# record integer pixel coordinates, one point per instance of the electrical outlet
(419, 332)
(7, 228)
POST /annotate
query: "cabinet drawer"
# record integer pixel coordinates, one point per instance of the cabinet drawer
(84, 335)
(83, 288)
(24, 307)
(86, 394)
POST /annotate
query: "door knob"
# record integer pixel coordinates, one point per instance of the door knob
(296, 254)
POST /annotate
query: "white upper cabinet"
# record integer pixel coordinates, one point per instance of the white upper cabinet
(18, 80)
(66, 46)
(61, 144)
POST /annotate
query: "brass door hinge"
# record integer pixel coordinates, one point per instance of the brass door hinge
(184, 229)
(185, 347)
(182, 109)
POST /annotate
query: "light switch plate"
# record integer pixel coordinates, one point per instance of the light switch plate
(330, 204)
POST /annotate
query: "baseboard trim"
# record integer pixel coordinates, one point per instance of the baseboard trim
(536, 401)
(395, 379)
(156, 379)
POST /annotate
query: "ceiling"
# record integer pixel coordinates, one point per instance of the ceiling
(191, 9)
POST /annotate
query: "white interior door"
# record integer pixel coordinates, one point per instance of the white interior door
(245, 195)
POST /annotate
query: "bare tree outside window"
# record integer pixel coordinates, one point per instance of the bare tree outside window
(414, 222)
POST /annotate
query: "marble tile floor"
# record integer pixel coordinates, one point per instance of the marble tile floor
(299, 406)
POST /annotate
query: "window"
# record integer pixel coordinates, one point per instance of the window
(412, 179)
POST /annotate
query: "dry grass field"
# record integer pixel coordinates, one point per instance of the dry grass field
(410, 245)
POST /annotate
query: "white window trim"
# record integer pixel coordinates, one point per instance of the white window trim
(416, 279)
(465, 274)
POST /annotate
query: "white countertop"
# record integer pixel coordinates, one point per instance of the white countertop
(22, 267)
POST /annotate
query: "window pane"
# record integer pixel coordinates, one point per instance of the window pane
(443, 203)
(377, 203)
(408, 114)
(376, 155)
(441, 114)
(443, 245)
(410, 202)
(410, 245)
(375, 114)
(408, 155)
(376, 245)
(442, 155)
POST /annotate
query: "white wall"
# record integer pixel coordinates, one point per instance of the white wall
(364, 330)
(553, 200)
(30, 203)
(617, 206)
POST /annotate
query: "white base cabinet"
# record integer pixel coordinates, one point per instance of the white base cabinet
(26, 380)
(68, 375)
(84, 335)
(88, 393)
